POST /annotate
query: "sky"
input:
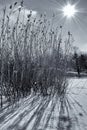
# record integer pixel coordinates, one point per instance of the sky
(77, 25)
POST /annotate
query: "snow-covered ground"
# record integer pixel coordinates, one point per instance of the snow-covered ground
(78, 99)
(38, 113)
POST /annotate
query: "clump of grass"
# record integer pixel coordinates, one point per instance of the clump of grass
(31, 56)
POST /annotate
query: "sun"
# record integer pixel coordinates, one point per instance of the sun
(69, 10)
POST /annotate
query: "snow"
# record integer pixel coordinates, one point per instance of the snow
(38, 113)
(78, 95)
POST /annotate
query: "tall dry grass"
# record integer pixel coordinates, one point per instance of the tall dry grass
(31, 56)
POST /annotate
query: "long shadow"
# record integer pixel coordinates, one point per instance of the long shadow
(39, 116)
(50, 114)
(3, 117)
(19, 119)
(24, 114)
(42, 105)
(12, 110)
(10, 115)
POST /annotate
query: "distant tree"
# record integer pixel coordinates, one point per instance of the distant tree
(77, 63)
(83, 62)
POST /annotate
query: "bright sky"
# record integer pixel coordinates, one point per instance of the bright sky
(77, 25)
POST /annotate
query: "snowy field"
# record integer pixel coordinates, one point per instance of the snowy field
(38, 113)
